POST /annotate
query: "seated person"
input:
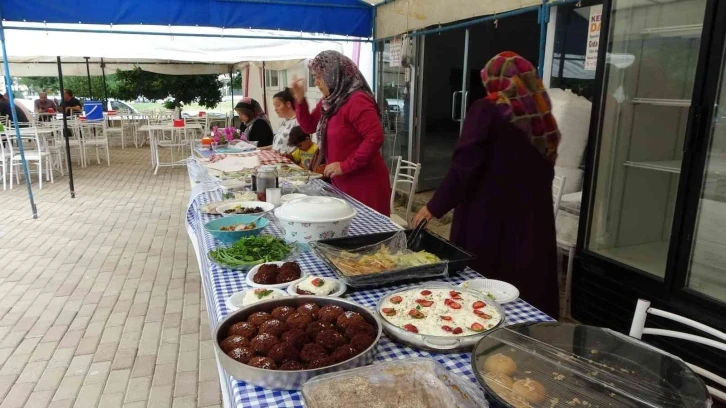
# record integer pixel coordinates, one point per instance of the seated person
(43, 104)
(306, 149)
(73, 105)
(19, 110)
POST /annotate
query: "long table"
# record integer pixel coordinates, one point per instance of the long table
(219, 283)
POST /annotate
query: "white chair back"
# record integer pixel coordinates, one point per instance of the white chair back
(406, 173)
(558, 186)
(638, 329)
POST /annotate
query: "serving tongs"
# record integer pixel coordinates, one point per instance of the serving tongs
(414, 240)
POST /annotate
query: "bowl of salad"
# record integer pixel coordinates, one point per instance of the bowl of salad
(251, 251)
(231, 229)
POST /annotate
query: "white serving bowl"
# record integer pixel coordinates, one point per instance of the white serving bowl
(251, 274)
(309, 219)
(235, 302)
(289, 197)
(500, 291)
(340, 287)
(266, 207)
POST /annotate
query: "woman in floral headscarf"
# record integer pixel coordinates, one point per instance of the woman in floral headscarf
(350, 134)
(500, 182)
(255, 124)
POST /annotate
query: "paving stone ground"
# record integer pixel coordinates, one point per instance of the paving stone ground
(100, 297)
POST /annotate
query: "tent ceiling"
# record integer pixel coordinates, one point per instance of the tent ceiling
(344, 17)
(33, 53)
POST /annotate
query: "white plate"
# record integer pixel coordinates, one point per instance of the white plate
(211, 208)
(234, 302)
(341, 288)
(251, 274)
(500, 291)
(266, 207)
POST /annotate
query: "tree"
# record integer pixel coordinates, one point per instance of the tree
(38, 84)
(78, 84)
(181, 89)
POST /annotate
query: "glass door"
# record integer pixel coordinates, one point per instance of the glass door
(652, 55)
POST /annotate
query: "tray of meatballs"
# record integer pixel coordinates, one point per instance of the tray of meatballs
(283, 342)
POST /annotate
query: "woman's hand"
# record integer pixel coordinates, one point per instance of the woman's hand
(422, 214)
(333, 170)
(297, 88)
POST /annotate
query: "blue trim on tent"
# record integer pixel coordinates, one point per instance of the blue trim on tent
(341, 17)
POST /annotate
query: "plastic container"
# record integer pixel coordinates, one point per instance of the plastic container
(309, 219)
(228, 237)
(565, 365)
(93, 110)
(453, 258)
(409, 383)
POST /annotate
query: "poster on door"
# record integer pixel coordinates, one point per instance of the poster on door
(593, 38)
(396, 52)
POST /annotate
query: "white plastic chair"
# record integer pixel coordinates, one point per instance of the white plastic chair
(121, 120)
(35, 153)
(558, 186)
(201, 121)
(95, 135)
(6, 159)
(175, 139)
(638, 329)
(407, 173)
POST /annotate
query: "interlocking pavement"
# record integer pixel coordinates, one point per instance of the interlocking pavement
(100, 297)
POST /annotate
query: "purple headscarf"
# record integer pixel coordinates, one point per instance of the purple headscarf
(342, 77)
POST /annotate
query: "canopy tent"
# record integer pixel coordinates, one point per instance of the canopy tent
(189, 52)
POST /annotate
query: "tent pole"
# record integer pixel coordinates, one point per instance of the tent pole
(543, 20)
(11, 99)
(65, 131)
(88, 72)
(264, 86)
(245, 91)
(105, 87)
(231, 85)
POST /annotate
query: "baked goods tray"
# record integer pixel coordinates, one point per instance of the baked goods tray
(453, 258)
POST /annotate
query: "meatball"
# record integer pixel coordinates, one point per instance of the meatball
(262, 343)
(299, 320)
(362, 342)
(316, 327)
(273, 327)
(343, 353)
(291, 267)
(283, 352)
(310, 308)
(297, 337)
(347, 318)
(321, 362)
(243, 329)
(282, 312)
(233, 342)
(242, 354)
(355, 328)
(263, 362)
(287, 275)
(330, 313)
(258, 318)
(266, 275)
(312, 352)
(330, 339)
(292, 366)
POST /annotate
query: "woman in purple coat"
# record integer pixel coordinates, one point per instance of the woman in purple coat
(500, 182)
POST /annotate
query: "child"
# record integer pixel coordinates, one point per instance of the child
(306, 149)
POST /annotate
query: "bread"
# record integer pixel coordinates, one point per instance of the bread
(500, 383)
(530, 390)
(499, 363)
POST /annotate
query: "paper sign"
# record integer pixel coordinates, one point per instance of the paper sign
(593, 38)
(396, 52)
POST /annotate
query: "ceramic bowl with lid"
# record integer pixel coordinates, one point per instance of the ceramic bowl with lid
(314, 218)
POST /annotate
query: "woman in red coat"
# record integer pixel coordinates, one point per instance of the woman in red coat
(348, 124)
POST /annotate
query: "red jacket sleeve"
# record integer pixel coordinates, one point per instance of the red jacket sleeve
(467, 161)
(361, 113)
(307, 120)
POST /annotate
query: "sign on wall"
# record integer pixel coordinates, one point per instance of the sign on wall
(396, 52)
(593, 38)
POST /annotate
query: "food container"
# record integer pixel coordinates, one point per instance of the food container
(290, 380)
(340, 287)
(289, 197)
(499, 291)
(456, 259)
(251, 274)
(229, 237)
(432, 342)
(314, 218)
(413, 382)
(564, 365)
(266, 207)
(236, 301)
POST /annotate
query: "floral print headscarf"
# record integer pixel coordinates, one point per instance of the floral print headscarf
(513, 85)
(342, 77)
(252, 109)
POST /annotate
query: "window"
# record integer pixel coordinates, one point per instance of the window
(272, 79)
(311, 79)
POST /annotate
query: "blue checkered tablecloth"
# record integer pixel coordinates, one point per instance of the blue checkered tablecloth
(220, 283)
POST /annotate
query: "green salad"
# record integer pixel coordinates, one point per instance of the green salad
(253, 250)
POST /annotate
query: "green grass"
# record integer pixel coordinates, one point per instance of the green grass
(191, 108)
